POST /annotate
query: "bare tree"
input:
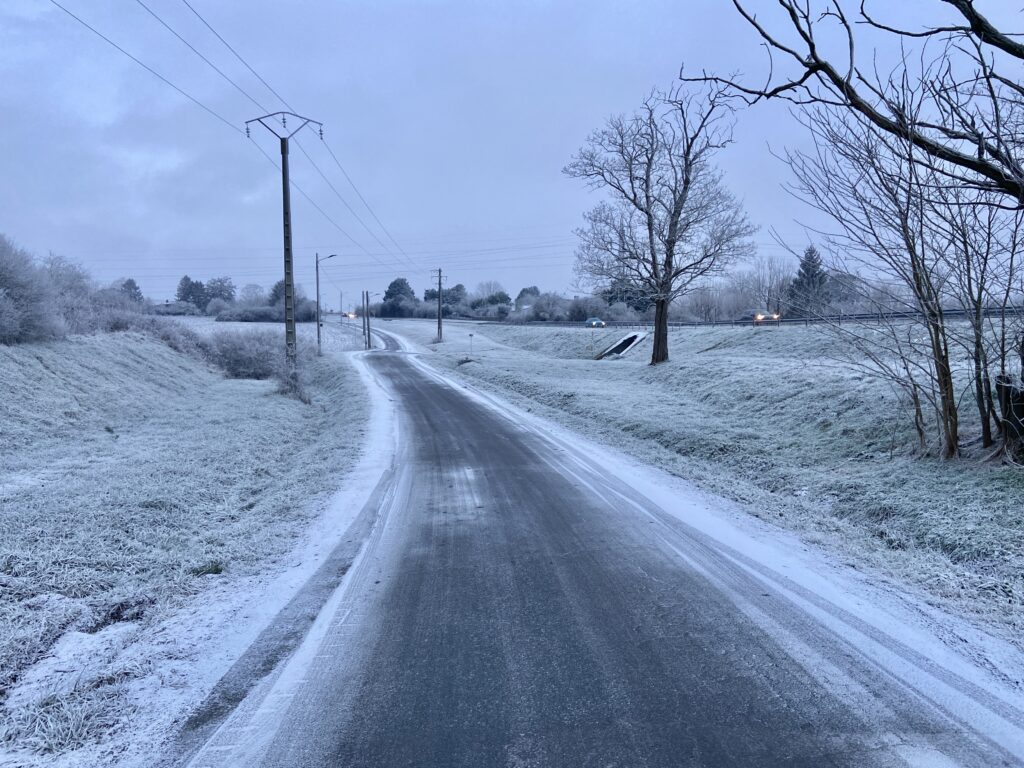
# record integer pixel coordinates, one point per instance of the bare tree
(489, 288)
(984, 242)
(252, 294)
(969, 127)
(769, 280)
(930, 152)
(705, 303)
(868, 183)
(669, 221)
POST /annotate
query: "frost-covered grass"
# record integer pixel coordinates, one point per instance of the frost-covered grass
(131, 475)
(766, 417)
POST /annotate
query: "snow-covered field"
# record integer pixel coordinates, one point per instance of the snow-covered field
(766, 417)
(152, 514)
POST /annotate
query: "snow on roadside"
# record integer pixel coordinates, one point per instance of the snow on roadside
(155, 518)
(978, 675)
(765, 417)
(952, 642)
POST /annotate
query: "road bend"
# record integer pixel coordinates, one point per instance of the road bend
(516, 606)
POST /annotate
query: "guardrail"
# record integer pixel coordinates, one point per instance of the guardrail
(856, 317)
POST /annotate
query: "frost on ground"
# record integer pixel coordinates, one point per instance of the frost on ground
(141, 493)
(766, 417)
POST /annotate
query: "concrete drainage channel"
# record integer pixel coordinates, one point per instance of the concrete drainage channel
(622, 346)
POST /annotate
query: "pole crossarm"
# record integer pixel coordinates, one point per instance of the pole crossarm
(282, 118)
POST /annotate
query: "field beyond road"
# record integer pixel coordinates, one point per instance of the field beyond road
(768, 418)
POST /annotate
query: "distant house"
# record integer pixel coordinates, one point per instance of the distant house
(175, 308)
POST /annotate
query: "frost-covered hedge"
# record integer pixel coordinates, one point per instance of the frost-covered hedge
(252, 314)
(257, 354)
(305, 312)
(28, 302)
(41, 301)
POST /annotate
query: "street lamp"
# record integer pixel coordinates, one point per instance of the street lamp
(319, 351)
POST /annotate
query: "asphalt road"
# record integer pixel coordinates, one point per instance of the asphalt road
(514, 607)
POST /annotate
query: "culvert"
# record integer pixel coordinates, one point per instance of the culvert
(623, 345)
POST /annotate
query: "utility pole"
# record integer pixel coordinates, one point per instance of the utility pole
(362, 314)
(369, 336)
(440, 330)
(270, 122)
(319, 351)
(341, 308)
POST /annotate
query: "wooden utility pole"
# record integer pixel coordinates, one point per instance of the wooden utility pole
(277, 124)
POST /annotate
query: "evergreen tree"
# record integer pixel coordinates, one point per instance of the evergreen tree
(400, 289)
(623, 290)
(527, 296)
(192, 292)
(809, 291)
(184, 292)
(131, 289)
(399, 299)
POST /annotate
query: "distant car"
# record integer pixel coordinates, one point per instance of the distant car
(755, 316)
(595, 322)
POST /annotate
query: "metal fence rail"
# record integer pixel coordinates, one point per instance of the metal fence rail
(858, 317)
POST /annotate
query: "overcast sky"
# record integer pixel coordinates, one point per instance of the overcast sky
(454, 120)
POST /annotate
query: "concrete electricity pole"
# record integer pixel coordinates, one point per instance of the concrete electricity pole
(366, 319)
(440, 330)
(271, 123)
(319, 351)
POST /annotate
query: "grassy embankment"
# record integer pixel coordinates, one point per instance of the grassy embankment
(132, 478)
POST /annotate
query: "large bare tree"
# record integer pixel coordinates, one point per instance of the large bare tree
(668, 221)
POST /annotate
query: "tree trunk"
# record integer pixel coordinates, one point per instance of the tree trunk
(981, 390)
(948, 414)
(660, 354)
(1011, 406)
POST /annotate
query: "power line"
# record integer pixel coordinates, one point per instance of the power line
(238, 55)
(360, 195)
(281, 98)
(262, 107)
(215, 114)
(245, 93)
(323, 213)
(483, 247)
(344, 201)
(194, 50)
(193, 99)
(149, 69)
